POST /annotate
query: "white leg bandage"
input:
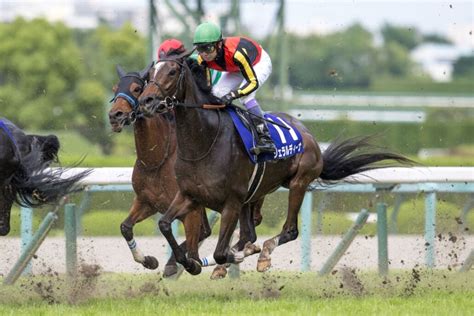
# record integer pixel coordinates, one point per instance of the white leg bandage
(208, 261)
(137, 254)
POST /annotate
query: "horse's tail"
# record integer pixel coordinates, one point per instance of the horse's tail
(354, 155)
(36, 184)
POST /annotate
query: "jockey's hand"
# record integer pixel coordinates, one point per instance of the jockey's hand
(228, 98)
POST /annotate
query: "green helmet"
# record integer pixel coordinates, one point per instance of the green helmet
(207, 32)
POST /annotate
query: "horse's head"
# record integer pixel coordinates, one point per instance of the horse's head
(165, 85)
(125, 102)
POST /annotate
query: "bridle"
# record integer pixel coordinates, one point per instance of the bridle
(169, 102)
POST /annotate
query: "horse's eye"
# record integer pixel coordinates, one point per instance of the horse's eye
(137, 89)
(172, 72)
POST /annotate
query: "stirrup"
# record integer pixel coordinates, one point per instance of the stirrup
(255, 150)
(262, 149)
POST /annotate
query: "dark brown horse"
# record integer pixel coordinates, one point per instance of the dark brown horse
(24, 173)
(213, 169)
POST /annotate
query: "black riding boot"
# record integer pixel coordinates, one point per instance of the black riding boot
(264, 141)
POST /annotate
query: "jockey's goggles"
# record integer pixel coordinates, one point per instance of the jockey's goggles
(206, 48)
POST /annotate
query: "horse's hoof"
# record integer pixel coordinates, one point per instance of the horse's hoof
(150, 263)
(170, 270)
(251, 249)
(194, 267)
(219, 272)
(264, 264)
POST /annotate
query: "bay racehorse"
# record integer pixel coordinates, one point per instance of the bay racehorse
(153, 177)
(24, 173)
(213, 169)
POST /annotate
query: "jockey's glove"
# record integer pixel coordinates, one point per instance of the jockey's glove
(228, 98)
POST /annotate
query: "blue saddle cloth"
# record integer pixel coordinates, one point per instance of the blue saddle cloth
(288, 142)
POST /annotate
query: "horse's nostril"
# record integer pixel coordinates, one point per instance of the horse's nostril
(115, 115)
(149, 100)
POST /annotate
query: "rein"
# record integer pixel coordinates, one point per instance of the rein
(178, 86)
(210, 147)
(171, 102)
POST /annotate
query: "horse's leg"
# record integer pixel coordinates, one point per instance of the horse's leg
(138, 212)
(229, 218)
(10, 163)
(250, 217)
(290, 228)
(192, 227)
(206, 229)
(181, 206)
(220, 271)
(256, 211)
(171, 268)
(6, 202)
(247, 236)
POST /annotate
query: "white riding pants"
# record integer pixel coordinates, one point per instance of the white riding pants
(232, 80)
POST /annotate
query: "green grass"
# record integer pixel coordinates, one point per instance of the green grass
(416, 292)
(452, 161)
(107, 223)
(76, 148)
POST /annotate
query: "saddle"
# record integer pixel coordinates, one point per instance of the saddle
(288, 141)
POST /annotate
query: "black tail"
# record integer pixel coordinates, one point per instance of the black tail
(36, 184)
(354, 155)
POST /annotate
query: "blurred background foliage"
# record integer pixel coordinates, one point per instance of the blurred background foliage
(56, 78)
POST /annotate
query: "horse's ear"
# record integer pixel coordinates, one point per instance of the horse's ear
(144, 73)
(120, 71)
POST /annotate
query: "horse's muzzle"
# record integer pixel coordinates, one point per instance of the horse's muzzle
(118, 120)
(148, 105)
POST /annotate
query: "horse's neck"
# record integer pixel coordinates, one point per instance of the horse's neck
(154, 140)
(196, 129)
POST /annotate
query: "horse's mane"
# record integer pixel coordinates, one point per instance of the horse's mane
(200, 78)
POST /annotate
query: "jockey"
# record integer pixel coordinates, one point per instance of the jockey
(245, 65)
(176, 47)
